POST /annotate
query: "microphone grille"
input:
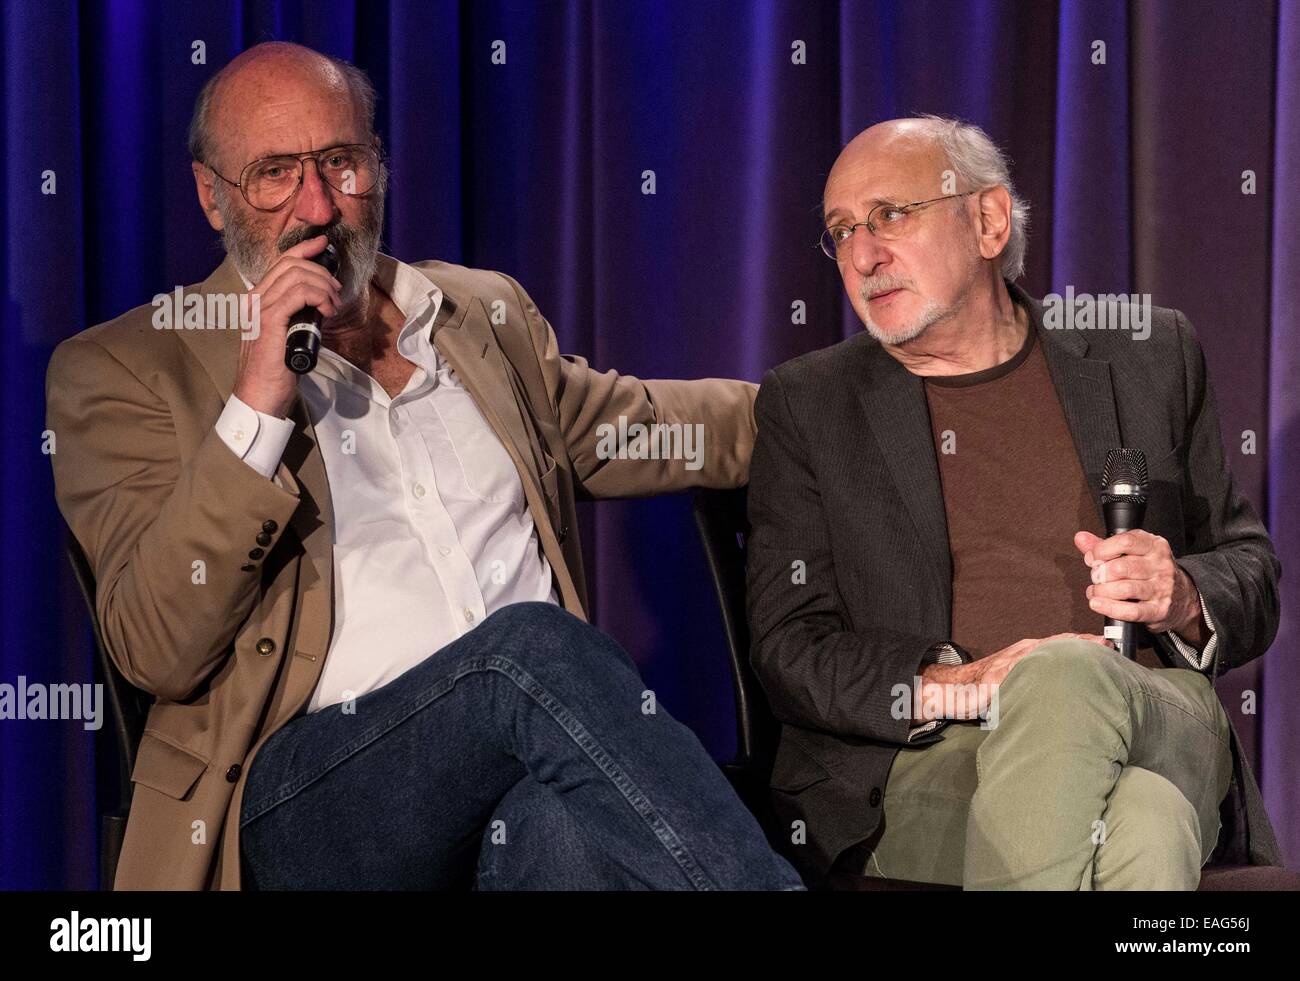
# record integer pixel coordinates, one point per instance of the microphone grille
(1124, 466)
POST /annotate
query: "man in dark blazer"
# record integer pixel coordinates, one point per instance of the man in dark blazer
(929, 571)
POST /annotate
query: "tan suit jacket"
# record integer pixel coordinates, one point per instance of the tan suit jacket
(232, 648)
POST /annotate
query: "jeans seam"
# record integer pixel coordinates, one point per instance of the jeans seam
(635, 797)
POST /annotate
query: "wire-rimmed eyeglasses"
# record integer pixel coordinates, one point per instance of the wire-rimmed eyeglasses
(885, 221)
(269, 182)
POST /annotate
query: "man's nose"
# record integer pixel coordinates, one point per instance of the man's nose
(314, 204)
(866, 251)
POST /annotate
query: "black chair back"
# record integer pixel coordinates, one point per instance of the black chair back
(723, 525)
(129, 708)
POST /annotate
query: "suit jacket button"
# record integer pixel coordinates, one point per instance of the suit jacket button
(233, 773)
(256, 553)
(266, 647)
(263, 539)
(269, 526)
(564, 533)
(875, 797)
(247, 568)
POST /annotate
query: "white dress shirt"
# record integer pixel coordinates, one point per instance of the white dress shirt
(432, 532)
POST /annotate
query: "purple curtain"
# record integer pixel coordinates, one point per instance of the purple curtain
(1131, 126)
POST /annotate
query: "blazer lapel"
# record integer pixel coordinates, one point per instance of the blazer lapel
(1084, 387)
(465, 337)
(894, 401)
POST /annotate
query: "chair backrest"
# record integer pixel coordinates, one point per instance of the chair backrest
(723, 525)
(128, 705)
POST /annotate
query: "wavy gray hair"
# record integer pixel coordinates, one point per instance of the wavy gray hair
(978, 163)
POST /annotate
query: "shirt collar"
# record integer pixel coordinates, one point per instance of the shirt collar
(417, 297)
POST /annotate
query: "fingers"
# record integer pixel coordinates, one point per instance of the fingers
(1094, 638)
(304, 291)
(1125, 543)
(1124, 589)
(1126, 610)
(291, 270)
(1085, 541)
(309, 246)
(1129, 567)
(297, 257)
(1098, 639)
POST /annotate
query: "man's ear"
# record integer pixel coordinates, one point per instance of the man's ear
(203, 184)
(994, 221)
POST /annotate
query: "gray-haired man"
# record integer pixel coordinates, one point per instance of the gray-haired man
(934, 483)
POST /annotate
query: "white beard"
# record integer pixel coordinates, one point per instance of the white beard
(930, 315)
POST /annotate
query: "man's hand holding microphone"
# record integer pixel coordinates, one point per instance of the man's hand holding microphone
(263, 381)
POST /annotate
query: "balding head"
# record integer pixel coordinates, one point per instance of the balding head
(949, 153)
(898, 150)
(270, 80)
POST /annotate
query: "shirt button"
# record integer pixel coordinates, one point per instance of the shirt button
(874, 799)
(469, 615)
(444, 550)
(418, 491)
(237, 435)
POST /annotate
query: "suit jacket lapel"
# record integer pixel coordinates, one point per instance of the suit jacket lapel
(894, 401)
(1084, 387)
(468, 343)
(466, 339)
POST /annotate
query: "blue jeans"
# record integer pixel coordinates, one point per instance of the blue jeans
(526, 754)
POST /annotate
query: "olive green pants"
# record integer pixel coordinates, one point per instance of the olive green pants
(1098, 773)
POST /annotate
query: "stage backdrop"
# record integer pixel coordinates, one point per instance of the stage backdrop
(1159, 145)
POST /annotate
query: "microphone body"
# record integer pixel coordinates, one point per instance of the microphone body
(1123, 507)
(302, 340)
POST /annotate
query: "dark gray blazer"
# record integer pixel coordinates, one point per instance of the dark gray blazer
(844, 478)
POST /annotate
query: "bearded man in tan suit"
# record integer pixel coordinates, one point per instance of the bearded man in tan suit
(357, 594)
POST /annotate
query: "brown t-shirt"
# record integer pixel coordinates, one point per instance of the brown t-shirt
(1015, 494)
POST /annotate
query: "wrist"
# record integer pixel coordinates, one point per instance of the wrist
(1194, 630)
(1192, 625)
(931, 694)
(262, 402)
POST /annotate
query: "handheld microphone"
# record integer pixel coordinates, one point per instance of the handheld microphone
(1124, 506)
(302, 342)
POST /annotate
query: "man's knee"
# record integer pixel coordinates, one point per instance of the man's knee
(546, 634)
(1058, 674)
(1150, 833)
